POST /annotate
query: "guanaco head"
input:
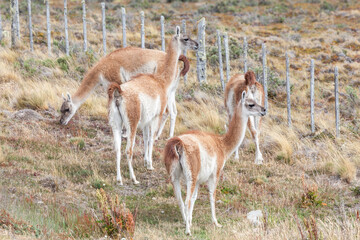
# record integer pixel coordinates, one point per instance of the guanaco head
(249, 107)
(184, 41)
(67, 109)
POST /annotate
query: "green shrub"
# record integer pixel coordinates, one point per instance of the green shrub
(140, 4)
(213, 56)
(30, 66)
(327, 6)
(48, 63)
(280, 8)
(76, 173)
(356, 190)
(170, 1)
(63, 63)
(352, 94)
(235, 48)
(229, 6)
(78, 142)
(98, 183)
(232, 190)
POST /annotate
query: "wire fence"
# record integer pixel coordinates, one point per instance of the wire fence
(201, 63)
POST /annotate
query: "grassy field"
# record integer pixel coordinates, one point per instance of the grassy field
(308, 186)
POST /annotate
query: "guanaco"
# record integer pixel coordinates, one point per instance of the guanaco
(199, 157)
(141, 102)
(118, 66)
(255, 90)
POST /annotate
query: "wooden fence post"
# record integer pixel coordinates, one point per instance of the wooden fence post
(103, 26)
(48, 26)
(201, 53)
(264, 74)
(142, 33)
(162, 22)
(220, 59)
(337, 110)
(17, 18)
(288, 90)
(30, 27)
(13, 23)
(123, 21)
(312, 96)
(84, 24)
(1, 30)
(227, 57)
(245, 55)
(66, 29)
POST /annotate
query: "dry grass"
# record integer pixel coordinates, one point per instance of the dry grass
(54, 171)
(2, 156)
(203, 112)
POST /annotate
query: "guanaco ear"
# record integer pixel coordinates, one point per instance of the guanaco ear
(63, 96)
(68, 96)
(177, 31)
(243, 97)
(250, 78)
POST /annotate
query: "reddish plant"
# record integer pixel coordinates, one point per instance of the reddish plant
(117, 220)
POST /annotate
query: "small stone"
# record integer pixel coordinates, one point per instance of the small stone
(254, 217)
(27, 115)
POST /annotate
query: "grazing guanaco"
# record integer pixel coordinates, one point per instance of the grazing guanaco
(255, 90)
(199, 157)
(118, 66)
(141, 102)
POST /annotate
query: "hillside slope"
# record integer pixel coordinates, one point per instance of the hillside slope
(49, 173)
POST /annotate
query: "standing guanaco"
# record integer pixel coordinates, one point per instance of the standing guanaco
(199, 157)
(141, 102)
(255, 90)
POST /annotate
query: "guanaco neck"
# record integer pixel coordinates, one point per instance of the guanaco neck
(166, 70)
(236, 132)
(87, 85)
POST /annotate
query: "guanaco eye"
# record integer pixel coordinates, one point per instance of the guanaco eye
(251, 105)
(186, 39)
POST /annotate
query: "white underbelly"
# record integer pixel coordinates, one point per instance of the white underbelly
(208, 163)
(150, 109)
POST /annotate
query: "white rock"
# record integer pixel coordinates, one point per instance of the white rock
(27, 115)
(254, 217)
